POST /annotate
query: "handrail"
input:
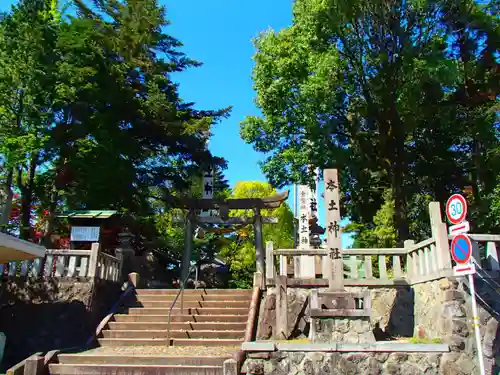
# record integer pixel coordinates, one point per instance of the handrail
(130, 287)
(253, 312)
(180, 292)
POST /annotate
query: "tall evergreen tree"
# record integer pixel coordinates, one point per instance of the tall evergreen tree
(28, 101)
(89, 115)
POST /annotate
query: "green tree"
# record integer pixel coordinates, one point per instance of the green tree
(28, 102)
(373, 88)
(221, 184)
(143, 133)
(89, 117)
(380, 234)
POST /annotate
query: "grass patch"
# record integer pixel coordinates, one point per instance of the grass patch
(306, 340)
(418, 340)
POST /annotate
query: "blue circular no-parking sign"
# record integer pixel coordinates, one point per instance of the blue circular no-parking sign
(461, 249)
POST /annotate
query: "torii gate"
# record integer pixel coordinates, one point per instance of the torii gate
(223, 206)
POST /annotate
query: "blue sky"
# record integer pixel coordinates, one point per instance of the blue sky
(219, 34)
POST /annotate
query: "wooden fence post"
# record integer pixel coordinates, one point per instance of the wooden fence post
(440, 235)
(119, 256)
(410, 268)
(134, 279)
(281, 307)
(492, 256)
(230, 367)
(34, 365)
(93, 261)
(269, 260)
(258, 280)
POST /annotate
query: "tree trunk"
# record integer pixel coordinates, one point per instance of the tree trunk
(7, 195)
(398, 167)
(50, 224)
(27, 196)
(400, 209)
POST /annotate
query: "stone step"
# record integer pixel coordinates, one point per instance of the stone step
(163, 318)
(174, 292)
(224, 326)
(117, 369)
(192, 304)
(188, 311)
(207, 342)
(133, 342)
(195, 297)
(164, 342)
(163, 334)
(163, 360)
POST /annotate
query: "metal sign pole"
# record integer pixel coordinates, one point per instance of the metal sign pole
(475, 320)
(461, 251)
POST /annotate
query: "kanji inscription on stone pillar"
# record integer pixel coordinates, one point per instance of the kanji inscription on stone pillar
(306, 266)
(333, 230)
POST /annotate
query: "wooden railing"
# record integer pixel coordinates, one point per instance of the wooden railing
(66, 263)
(415, 263)
(364, 266)
(421, 260)
(412, 264)
(108, 267)
(388, 264)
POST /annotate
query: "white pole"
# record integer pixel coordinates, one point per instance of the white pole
(475, 320)
(295, 224)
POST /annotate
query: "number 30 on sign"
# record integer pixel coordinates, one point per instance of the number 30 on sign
(456, 209)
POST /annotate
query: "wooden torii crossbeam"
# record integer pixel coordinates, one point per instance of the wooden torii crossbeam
(233, 204)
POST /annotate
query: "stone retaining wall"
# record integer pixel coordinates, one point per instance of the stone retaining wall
(38, 316)
(319, 363)
(346, 330)
(443, 309)
(437, 309)
(392, 312)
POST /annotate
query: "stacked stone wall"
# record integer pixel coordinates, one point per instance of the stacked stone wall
(443, 309)
(392, 312)
(324, 363)
(53, 313)
(438, 309)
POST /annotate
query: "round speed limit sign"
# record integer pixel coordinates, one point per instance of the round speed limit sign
(456, 209)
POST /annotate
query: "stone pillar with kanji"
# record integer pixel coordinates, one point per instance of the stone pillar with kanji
(335, 315)
(306, 266)
(333, 230)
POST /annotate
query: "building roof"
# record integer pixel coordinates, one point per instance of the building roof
(87, 214)
(13, 249)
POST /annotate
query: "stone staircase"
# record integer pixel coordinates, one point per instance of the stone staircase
(210, 330)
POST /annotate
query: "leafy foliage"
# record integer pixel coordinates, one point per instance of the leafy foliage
(89, 116)
(399, 95)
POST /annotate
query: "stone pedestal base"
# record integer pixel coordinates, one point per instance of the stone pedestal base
(351, 330)
(337, 317)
